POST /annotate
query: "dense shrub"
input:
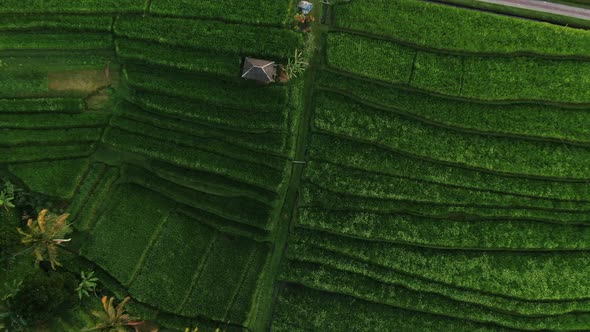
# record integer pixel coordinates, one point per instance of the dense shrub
(9, 238)
(45, 294)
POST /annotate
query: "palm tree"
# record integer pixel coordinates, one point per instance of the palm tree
(116, 319)
(46, 234)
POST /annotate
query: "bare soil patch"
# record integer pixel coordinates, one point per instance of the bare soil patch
(98, 100)
(83, 81)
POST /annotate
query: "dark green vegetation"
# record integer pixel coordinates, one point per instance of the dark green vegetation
(485, 78)
(44, 295)
(445, 183)
(174, 168)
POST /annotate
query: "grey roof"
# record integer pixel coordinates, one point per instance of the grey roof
(260, 70)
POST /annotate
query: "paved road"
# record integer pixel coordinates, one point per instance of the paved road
(544, 6)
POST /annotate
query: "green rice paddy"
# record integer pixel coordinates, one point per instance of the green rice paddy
(428, 172)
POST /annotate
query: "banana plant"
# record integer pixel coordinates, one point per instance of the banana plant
(7, 196)
(295, 65)
(10, 289)
(87, 284)
(45, 235)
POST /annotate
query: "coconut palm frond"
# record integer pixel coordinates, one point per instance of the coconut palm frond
(115, 318)
(45, 234)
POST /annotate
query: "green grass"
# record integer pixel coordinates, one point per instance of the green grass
(270, 12)
(207, 144)
(201, 112)
(314, 195)
(96, 198)
(296, 111)
(225, 38)
(235, 208)
(56, 22)
(193, 158)
(39, 153)
(456, 29)
(246, 297)
(520, 78)
(54, 41)
(383, 274)
(266, 141)
(359, 183)
(225, 225)
(415, 211)
(382, 128)
(166, 275)
(19, 84)
(331, 280)
(71, 6)
(441, 73)
(431, 232)
(300, 309)
(224, 93)
(211, 183)
(374, 159)
(223, 297)
(54, 178)
(51, 120)
(179, 58)
(373, 58)
(197, 140)
(41, 105)
(484, 78)
(12, 137)
(123, 232)
(530, 120)
(85, 187)
(54, 60)
(521, 275)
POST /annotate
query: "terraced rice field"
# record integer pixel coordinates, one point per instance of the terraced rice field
(438, 193)
(445, 184)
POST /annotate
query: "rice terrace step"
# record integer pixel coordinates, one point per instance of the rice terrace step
(286, 165)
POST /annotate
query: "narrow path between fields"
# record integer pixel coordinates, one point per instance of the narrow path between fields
(288, 211)
(546, 7)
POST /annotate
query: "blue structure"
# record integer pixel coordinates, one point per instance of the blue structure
(305, 7)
